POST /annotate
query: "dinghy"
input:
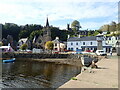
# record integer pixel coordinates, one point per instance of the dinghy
(8, 60)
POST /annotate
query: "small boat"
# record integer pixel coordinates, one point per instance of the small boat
(8, 60)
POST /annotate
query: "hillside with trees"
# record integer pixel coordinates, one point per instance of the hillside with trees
(113, 28)
(24, 31)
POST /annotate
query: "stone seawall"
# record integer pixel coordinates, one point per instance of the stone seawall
(37, 55)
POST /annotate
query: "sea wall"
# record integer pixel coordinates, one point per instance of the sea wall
(37, 55)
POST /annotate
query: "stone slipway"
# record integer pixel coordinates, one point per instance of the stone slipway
(106, 76)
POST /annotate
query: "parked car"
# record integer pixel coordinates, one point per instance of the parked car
(101, 52)
(28, 51)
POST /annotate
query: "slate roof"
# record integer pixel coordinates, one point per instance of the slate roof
(89, 38)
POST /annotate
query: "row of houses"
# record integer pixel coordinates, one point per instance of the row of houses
(91, 43)
(84, 43)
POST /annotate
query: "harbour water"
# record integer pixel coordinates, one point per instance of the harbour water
(33, 74)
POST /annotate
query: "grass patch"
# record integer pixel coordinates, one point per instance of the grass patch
(73, 78)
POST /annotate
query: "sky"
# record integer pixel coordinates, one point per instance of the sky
(91, 14)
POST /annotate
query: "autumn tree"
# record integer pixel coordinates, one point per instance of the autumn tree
(24, 46)
(49, 45)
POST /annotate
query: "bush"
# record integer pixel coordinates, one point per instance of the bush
(73, 78)
(24, 47)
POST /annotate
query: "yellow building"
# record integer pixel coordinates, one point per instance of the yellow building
(59, 45)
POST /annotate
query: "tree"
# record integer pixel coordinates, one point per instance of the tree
(75, 26)
(1, 43)
(24, 46)
(104, 27)
(49, 45)
(112, 26)
(35, 33)
(23, 34)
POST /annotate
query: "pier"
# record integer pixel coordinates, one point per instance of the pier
(105, 76)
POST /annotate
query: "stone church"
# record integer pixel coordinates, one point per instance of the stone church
(41, 40)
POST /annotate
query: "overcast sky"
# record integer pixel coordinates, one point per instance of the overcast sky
(90, 14)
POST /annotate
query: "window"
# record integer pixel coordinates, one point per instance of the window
(72, 49)
(71, 43)
(76, 48)
(83, 49)
(91, 43)
(109, 38)
(68, 48)
(76, 43)
(83, 43)
(56, 49)
(116, 38)
(55, 44)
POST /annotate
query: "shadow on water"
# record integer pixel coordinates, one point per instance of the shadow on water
(33, 74)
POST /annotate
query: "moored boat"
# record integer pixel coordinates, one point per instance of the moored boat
(9, 60)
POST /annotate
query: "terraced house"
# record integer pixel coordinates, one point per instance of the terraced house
(112, 40)
(86, 43)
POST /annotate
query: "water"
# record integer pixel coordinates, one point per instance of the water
(33, 74)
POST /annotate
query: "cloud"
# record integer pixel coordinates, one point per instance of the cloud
(36, 11)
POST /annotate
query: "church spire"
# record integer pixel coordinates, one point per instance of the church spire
(47, 23)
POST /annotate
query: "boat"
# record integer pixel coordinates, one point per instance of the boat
(87, 60)
(8, 60)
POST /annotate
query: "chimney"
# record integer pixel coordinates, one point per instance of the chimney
(57, 38)
(68, 27)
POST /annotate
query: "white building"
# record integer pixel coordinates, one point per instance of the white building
(58, 45)
(6, 49)
(89, 43)
(22, 41)
(112, 40)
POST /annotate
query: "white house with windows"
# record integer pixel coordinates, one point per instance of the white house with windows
(59, 45)
(83, 43)
(112, 40)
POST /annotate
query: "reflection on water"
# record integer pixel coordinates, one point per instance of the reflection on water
(33, 74)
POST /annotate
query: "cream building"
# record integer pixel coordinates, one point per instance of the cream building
(112, 40)
(58, 45)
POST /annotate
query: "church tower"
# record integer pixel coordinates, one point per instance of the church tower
(47, 23)
(46, 33)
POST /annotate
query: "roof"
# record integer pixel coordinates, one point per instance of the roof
(89, 38)
(23, 39)
(57, 41)
(100, 34)
(113, 36)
